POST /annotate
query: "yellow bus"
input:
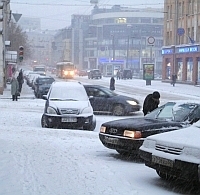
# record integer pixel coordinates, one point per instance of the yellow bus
(65, 70)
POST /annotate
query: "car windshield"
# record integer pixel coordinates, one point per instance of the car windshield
(45, 81)
(172, 111)
(68, 93)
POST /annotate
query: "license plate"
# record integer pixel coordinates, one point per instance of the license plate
(69, 120)
(111, 140)
(162, 161)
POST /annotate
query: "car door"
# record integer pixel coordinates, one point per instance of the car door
(98, 100)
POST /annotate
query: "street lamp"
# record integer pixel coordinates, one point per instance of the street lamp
(113, 46)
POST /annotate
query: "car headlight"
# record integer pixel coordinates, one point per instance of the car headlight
(132, 134)
(148, 143)
(133, 103)
(71, 73)
(102, 129)
(195, 152)
(87, 110)
(51, 110)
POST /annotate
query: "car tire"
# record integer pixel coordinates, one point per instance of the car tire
(118, 110)
(43, 122)
(123, 152)
(164, 176)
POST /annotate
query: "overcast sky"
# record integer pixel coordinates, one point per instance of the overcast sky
(57, 14)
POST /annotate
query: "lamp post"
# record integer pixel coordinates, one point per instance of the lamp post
(113, 46)
(127, 52)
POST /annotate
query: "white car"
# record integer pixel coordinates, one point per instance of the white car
(68, 106)
(174, 154)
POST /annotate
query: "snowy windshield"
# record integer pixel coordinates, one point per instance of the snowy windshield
(46, 80)
(173, 111)
(68, 93)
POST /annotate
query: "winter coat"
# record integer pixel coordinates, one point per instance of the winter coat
(14, 86)
(112, 84)
(20, 77)
(150, 104)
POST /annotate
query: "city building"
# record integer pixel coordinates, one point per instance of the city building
(41, 47)
(5, 17)
(122, 37)
(181, 50)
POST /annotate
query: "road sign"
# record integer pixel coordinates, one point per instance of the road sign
(151, 40)
(180, 31)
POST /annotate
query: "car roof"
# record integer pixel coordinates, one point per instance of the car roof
(45, 77)
(67, 84)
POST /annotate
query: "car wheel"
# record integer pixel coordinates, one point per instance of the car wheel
(118, 110)
(43, 122)
(91, 126)
(123, 152)
(164, 176)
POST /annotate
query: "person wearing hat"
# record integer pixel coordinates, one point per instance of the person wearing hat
(151, 102)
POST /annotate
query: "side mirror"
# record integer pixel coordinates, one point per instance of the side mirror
(44, 97)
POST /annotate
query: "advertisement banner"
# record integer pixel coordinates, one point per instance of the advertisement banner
(148, 71)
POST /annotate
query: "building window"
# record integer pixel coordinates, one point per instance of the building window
(189, 69)
(180, 9)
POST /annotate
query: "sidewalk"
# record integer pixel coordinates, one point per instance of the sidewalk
(27, 92)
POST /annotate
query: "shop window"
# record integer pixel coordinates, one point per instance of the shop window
(189, 69)
(180, 71)
(198, 72)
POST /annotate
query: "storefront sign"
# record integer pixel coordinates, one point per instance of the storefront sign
(187, 49)
(167, 51)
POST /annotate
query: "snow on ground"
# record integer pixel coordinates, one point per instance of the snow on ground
(41, 161)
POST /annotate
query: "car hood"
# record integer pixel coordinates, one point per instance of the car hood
(146, 126)
(69, 104)
(186, 137)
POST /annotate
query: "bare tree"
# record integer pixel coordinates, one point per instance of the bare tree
(18, 38)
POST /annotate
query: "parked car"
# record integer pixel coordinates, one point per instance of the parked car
(127, 135)
(103, 100)
(174, 154)
(42, 85)
(127, 74)
(30, 78)
(68, 106)
(94, 74)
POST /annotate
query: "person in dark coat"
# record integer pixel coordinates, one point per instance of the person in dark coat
(20, 80)
(112, 84)
(14, 88)
(174, 77)
(151, 102)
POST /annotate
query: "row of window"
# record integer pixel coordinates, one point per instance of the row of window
(184, 8)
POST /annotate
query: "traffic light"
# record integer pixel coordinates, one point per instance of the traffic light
(21, 53)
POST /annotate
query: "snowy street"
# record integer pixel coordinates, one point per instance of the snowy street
(41, 161)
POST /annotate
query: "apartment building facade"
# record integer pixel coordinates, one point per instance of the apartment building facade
(181, 50)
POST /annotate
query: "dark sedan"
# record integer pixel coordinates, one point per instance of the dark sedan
(127, 135)
(42, 85)
(103, 100)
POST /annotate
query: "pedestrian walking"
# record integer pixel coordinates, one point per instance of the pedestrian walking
(14, 88)
(151, 102)
(118, 75)
(112, 84)
(20, 79)
(174, 77)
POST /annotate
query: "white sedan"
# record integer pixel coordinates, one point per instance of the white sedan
(174, 154)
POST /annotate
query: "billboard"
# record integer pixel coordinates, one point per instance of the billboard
(148, 71)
